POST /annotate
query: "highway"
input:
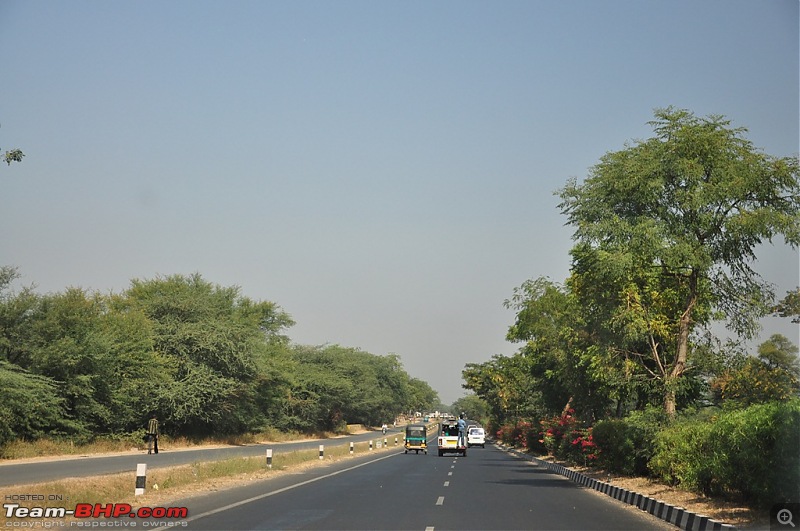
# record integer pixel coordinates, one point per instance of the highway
(488, 489)
(48, 470)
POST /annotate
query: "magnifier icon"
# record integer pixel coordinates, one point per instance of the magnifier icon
(785, 517)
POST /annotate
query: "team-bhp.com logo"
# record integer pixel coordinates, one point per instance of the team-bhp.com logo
(97, 510)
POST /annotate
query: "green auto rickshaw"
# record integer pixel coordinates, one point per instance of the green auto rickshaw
(416, 438)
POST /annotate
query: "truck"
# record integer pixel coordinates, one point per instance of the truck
(448, 440)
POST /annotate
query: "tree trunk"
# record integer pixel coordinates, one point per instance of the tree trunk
(682, 347)
(567, 407)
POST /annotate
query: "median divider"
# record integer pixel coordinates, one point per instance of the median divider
(677, 516)
(107, 489)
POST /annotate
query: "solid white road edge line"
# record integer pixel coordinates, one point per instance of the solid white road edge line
(284, 489)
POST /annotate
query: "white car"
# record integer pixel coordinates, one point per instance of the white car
(476, 437)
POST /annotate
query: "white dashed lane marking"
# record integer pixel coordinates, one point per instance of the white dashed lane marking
(440, 501)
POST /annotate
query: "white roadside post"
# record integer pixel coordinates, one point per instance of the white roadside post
(269, 458)
(141, 478)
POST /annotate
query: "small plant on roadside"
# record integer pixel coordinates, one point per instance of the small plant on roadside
(583, 445)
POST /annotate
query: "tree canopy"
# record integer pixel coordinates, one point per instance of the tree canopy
(666, 235)
(207, 359)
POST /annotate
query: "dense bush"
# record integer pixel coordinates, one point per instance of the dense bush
(756, 452)
(514, 434)
(616, 448)
(558, 432)
(750, 454)
(534, 442)
(682, 455)
(642, 427)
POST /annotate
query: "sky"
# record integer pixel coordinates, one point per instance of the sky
(384, 171)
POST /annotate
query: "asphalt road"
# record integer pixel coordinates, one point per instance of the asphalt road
(488, 489)
(49, 470)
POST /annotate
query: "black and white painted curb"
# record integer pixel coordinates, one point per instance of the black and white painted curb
(677, 516)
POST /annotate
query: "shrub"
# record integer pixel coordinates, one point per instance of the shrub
(681, 455)
(505, 434)
(564, 437)
(750, 453)
(755, 453)
(642, 428)
(534, 442)
(583, 447)
(615, 443)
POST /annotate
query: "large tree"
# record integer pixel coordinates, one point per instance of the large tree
(217, 342)
(673, 223)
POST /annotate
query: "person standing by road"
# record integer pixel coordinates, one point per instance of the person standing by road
(152, 434)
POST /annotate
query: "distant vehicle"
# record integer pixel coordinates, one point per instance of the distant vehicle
(448, 440)
(416, 438)
(476, 437)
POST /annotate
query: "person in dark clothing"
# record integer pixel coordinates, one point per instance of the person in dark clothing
(152, 435)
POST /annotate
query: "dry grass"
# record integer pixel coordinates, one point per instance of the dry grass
(53, 447)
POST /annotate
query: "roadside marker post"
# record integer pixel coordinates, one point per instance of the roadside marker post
(321, 451)
(370, 446)
(141, 479)
(351, 447)
(269, 458)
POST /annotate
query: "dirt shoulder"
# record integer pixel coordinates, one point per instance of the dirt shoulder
(726, 511)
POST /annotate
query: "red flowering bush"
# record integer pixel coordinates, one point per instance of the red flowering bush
(555, 432)
(517, 435)
(584, 446)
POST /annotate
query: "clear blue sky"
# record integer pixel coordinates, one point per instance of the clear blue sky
(384, 171)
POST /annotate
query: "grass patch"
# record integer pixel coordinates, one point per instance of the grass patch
(22, 449)
(175, 482)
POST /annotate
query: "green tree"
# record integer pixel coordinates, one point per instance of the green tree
(506, 386)
(217, 341)
(473, 407)
(772, 376)
(564, 359)
(17, 312)
(30, 406)
(102, 361)
(422, 397)
(677, 218)
(333, 384)
(789, 306)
